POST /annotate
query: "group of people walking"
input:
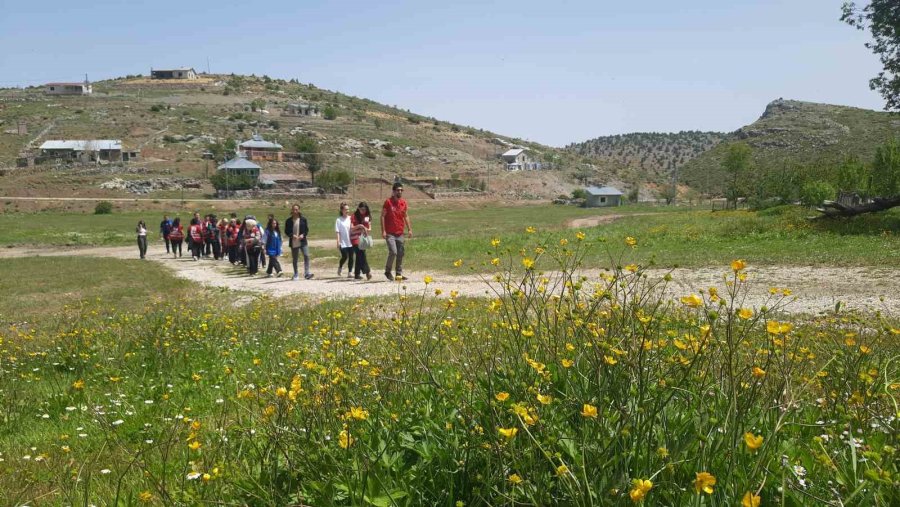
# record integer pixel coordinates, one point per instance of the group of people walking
(254, 245)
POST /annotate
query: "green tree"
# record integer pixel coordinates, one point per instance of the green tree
(257, 104)
(853, 176)
(668, 192)
(232, 181)
(815, 193)
(334, 179)
(329, 112)
(882, 18)
(885, 180)
(103, 208)
(737, 165)
(308, 149)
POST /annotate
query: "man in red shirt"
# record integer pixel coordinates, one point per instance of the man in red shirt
(393, 221)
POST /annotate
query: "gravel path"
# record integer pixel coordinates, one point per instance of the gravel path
(814, 288)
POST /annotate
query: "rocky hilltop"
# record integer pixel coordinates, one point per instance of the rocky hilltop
(792, 132)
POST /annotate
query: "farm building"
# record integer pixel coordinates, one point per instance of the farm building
(600, 197)
(182, 73)
(260, 149)
(518, 160)
(68, 88)
(240, 166)
(301, 110)
(87, 150)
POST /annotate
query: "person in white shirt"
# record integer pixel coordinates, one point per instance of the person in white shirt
(141, 230)
(342, 229)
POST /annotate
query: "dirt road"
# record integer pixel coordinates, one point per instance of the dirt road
(814, 289)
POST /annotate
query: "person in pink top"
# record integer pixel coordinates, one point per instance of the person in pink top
(360, 225)
(394, 219)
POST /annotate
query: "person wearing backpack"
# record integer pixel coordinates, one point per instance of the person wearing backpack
(195, 231)
(165, 227)
(176, 237)
(252, 238)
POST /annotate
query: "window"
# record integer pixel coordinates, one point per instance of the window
(603, 200)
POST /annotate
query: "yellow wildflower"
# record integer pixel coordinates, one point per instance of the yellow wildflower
(495, 242)
(515, 479)
(704, 483)
(502, 396)
(145, 497)
(589, 411)
(428, 279)
(640, 489)
(745, 313)
(509, 433)
(194, 445)
(610, 360)
(528, 263)
(545, 399)
(579, 236)
(345, 440)
(753, 442)
(78, 384)
(750, 500)
(738, 264)
(530, 230)
(495, 261)
(562, 470)
(566, 363)
(692, 300)
(358, 413)
(630, 241)
(758, 372)
(457, 263)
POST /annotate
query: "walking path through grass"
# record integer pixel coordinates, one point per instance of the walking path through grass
(814, 288)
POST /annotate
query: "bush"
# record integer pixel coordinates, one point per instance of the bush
(579, 193)
(329, 113)
(813, 193)
(103, 208)
(334, 179)
(232, 182)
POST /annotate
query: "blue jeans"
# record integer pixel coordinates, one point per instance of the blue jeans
(295, 253)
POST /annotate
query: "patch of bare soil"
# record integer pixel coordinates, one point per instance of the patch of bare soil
(813, 289)
(594, 221)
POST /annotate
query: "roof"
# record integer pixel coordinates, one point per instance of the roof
(68, 84)
(603, 191)
(183, 69)
(238, 163)
(76, 145)
(513, 153)
(259, 142)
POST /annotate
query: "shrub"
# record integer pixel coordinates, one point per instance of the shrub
(232, 181)
(579, 193)
(103, 208)
(813, 193)
(329, 113)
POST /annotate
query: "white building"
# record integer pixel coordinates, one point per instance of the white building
(518, 160)
(68, 88)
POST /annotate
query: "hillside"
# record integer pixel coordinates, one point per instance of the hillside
(791, 133)
(651, 155)
(173, 123)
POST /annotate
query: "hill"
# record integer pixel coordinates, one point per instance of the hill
(792, 133)
(651, 156)
(174, 122)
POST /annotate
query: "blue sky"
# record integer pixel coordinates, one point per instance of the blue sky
(548, 71)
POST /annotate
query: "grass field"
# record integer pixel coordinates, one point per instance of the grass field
(446, 232)
(587, 392)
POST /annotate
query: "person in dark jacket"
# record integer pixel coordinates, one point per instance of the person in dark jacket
(165, 227)
(272, 240)
(296, 230)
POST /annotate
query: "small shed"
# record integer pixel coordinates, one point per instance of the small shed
(260, 149)
(182, 73)
(240, 166)
(84, 88)
(601, 197)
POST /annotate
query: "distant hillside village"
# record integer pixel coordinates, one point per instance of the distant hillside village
(256, 164)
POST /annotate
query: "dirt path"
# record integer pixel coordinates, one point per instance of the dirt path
(814, 289)
(594, 221)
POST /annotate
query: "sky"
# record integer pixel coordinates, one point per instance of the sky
(552, 72)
